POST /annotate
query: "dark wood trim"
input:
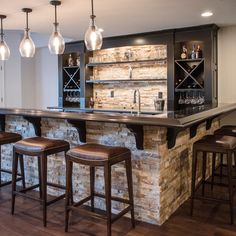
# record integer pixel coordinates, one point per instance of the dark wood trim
(193, 129)
(80, 126)
(36, 122)
(2, 122)
(137, 130)
(172, 135)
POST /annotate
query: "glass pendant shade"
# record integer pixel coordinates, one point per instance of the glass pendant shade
(56, 42)
(27, 47)
(4, 51)
(93, 38)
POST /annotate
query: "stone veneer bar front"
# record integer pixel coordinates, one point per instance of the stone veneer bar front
(161, 176)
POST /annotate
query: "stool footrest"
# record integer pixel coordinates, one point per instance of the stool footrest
(29, 188)
(87, 213)
(118, 199)
(22, 194)
(9, 172)
(55, 199)
(120, 214)
(56, 185)
(9, 182)
(82, 201)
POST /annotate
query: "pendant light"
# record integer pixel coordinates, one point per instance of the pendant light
(4, 49)
(93, 36)
(27, 47)
(56, 42)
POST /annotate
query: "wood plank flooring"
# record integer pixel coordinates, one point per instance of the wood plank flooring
(208, 219)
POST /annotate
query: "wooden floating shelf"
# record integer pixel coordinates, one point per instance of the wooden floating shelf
(124, 80)
(124, 62)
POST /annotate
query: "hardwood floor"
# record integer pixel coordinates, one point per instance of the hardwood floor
(208, 219)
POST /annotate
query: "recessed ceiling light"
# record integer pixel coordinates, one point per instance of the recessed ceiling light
(101, 30)
(207, 14)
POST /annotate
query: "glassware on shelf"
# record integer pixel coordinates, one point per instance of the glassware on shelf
(187, 100)
(181, 99)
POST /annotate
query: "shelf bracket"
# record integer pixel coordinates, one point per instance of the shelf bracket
(172, 135)
(209, 122)
(193, 129)
(137, 130)
(36, 122)
(2, 122)
(80, 126)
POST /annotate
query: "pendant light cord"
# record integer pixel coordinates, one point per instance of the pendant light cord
(1, 31)
(55, 23)
(92, 16)
(27, 22)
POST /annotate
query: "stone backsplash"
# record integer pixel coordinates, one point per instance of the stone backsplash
(151, 76)
(161, 177)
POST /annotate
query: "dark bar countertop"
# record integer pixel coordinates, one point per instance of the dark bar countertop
(181, 118)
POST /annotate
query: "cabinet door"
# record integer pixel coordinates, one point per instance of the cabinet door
(2, 86)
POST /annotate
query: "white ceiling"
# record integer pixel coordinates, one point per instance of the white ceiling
(117, 17)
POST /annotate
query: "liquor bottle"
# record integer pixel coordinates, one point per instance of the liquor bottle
(198, 52)
(70, 61)
(184, 54)
(91, 103)
(193, 53)
(159, 102)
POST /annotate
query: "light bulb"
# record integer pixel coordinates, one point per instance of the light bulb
(27, 47)
(56, 42)
(4, 51)
(93, 38)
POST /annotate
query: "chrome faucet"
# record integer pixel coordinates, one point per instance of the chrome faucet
(136, 91)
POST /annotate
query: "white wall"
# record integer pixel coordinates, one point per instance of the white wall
(30, 82)
(46, 76)
(227, 72)
(13, 86)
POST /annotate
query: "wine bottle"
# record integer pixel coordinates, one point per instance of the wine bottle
(198, 52)
(193, 53)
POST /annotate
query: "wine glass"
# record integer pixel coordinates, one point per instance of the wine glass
(181, 99)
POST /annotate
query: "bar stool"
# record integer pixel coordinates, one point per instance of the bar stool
(213, 144)
(7, 138)
(229, 130)
(94, 155)
(40, 147)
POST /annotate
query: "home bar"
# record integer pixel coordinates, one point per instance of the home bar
(137, 132)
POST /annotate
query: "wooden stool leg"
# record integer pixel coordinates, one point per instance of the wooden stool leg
(213, 170)
(107, 181)
(229, 165)
(0, 165)
(22, 170)
(40, 177)
(194, 170)
(128, 165)
(43, 160)
(221, 164)
(69, 168)
(203, 172)
(92, 177)
(14, 176)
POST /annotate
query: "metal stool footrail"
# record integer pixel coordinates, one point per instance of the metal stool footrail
(7, 138)
(213, 144)
(41, 148)
(99, 155)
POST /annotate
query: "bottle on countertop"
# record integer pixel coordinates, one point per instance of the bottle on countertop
(91, 103)
(198, 52)
(70, 61)
(159, 102)
(193, 53)
(184, 53)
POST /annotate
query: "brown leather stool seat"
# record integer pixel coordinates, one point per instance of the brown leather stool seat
(7, 138)
(40, 147)
(99, 155)
(229, 130)
(213, 144)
